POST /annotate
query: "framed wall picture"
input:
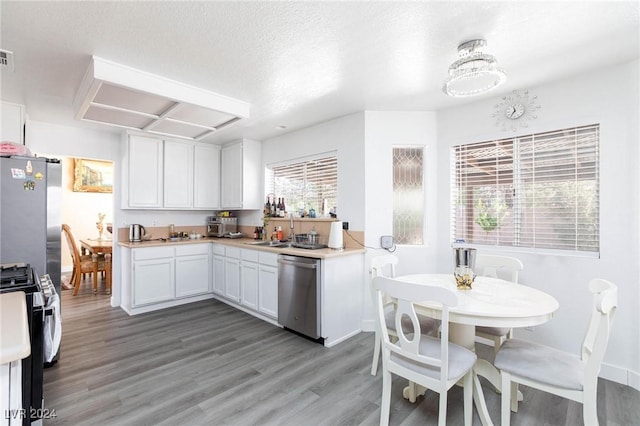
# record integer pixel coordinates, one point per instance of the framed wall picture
(92, 175)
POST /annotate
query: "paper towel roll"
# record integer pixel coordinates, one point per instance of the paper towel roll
(335, 236)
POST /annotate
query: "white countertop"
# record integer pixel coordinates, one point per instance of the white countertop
(14, 327)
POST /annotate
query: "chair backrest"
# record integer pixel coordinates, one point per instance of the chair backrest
(71, 242)
(382, 263)
(407, 294)
(492, 266)
(594, 345)
(383, 266)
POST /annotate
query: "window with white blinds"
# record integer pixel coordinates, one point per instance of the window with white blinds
(536, 191)
(306, 185)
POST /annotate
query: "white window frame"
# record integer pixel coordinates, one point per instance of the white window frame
(521, 180)
(269, 182)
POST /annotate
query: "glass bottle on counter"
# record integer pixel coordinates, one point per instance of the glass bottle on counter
(267, 207)
(282, 208)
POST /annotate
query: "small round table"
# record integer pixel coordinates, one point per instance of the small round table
(490, 302)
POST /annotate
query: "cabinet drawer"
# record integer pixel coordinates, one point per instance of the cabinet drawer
(233, 252)
(190, 249)
(270, 259)
(152, 253)
(218, 249)
(249, 255)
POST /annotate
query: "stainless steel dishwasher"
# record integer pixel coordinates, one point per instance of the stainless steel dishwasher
(299, 294)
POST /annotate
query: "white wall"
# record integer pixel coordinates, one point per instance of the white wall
(78, 209)
(383, 131)
(344, 135)
(609, 97)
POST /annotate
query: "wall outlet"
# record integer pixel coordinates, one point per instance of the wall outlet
(345, 226)
(386, 241)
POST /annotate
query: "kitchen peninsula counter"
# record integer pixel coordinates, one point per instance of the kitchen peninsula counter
(247, 243)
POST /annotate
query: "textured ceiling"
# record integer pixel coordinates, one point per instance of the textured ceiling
(300, 63)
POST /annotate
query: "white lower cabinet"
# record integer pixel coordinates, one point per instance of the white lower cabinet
(268, 290)
(153, 275)
(268, 284)
(232, 274)
(246, 277)
(217, 269)
(165, 276)
(192, 270)
(249, 285)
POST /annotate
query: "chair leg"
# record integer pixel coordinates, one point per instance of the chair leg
(442, 413)
(377, 347)
(385, 403)
(468, 398)
(505, 399)
(76, 284)
(590, 405)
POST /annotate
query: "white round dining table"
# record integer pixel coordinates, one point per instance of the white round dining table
(491, 302)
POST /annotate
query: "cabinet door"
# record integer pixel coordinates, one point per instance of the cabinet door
(178, 174)
(153, 281)
(206, 177)
(218, 275)
(268, 290)
(231, 176)
(144, 172)
(249, 285)
(232, 279)
(192, 275)
(12, 128)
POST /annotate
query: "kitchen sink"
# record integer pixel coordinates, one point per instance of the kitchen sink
(273, 244)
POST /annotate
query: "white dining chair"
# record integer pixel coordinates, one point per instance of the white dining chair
(497, 267)
(432, 362)
(558, 372)
(385, 265)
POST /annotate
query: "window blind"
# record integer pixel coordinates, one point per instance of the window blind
(306, 185)
(534, 191)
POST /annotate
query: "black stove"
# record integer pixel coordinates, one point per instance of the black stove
(16, 276)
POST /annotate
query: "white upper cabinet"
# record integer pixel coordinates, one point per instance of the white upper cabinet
(12, 127)
(171, 175)
(178, 174)
(240, 175)
(145, 168)
(206, 177)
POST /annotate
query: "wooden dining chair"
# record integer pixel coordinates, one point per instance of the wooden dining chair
(432, 362)
(558, 372)
(82, 264)
(385, 265)
(497, 267)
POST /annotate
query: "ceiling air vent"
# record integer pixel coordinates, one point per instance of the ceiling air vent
(132, 99)
(6, 60)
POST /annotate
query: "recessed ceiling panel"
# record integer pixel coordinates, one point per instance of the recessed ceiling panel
(122, 96)
(185, 130)
(132, 100)
(116, 117)
(198, 115)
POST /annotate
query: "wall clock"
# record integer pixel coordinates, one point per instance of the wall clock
(516, 110)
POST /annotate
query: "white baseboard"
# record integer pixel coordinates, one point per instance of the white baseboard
(368, 325)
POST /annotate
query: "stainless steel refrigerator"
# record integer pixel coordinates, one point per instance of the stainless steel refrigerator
(30, 201)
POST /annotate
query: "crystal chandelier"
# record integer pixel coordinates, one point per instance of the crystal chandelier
(474, 73)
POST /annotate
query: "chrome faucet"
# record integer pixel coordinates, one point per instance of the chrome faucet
(291, 234)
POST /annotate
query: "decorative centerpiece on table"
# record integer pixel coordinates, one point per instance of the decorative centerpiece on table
(100, 226)
(465, 263)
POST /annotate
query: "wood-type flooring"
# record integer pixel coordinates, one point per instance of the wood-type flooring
(207, 363)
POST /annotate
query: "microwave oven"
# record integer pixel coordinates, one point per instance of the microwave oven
(221, 226)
